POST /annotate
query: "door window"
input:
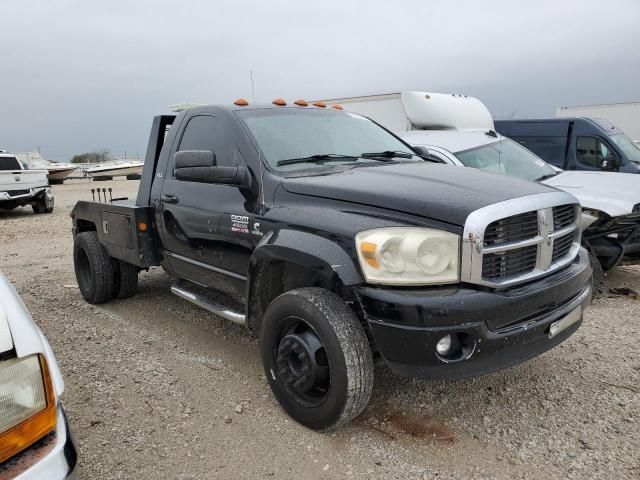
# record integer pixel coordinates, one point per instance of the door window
(586, 151)
(593, 152)
(204, 132)
(550, 149)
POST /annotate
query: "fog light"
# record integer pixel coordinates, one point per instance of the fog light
(443, 345)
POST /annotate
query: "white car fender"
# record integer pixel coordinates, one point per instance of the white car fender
(26, 337)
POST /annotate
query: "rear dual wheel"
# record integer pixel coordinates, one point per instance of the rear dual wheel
(317, 358)
(101, 277)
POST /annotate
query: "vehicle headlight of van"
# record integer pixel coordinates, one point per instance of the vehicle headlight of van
(409, 256)
(27, 403)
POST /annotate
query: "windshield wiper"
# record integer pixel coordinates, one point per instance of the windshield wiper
(316, 159)
(388, 154)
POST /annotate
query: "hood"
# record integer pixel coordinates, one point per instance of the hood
(440, 192)
(613, 193)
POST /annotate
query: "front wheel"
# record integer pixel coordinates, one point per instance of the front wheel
(317, 358)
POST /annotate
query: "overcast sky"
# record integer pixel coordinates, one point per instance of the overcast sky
(82, 75)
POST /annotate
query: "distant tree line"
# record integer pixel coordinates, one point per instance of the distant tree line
(96, 156)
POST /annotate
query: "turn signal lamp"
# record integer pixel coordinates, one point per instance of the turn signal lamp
(27, 403)
(279, 102)
(301, 103)
(142, 227)
(241, 102)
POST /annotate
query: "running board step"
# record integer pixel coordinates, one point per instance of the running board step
(203, 302)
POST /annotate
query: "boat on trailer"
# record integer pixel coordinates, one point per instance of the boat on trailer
(130, 169)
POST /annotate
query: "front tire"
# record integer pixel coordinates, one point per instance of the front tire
(93, 267)
(317, 358)
(598, 275)
(39, 207)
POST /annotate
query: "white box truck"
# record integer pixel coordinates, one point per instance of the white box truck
(404, 111)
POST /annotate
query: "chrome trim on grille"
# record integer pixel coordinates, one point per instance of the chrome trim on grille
(473, 248)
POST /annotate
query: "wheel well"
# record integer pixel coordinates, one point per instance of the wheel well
(85, 226)
(274, 277)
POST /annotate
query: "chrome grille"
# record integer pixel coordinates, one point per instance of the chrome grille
(17, 193)
(512, 229)
(509, 263)
(563, 216)
(561, 246)
(521, 239)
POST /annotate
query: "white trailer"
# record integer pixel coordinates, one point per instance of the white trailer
(404, 111)
(625, 116)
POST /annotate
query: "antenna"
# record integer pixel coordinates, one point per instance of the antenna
(260, 167)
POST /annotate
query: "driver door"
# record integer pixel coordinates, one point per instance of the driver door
(206, 234)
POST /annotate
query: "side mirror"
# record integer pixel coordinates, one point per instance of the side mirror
(199, 166)
(422, 150)
(194, 158)
(425, 154)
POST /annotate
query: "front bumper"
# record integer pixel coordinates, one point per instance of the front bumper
(507, 326)
(50, 458)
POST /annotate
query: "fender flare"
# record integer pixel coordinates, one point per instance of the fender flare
(325, 256)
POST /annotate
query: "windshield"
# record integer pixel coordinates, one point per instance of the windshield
(340, 138)
(631, 151)
(507, 158)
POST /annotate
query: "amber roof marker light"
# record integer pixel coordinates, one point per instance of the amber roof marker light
(279, 102)
(241, 102)
(337, 107)
(301, 103)
(319, 104)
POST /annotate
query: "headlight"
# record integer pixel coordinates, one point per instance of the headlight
(27, 403)
(409, 256)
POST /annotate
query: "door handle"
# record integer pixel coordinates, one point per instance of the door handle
(169, 198)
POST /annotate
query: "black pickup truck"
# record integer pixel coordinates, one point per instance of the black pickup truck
(340, 246)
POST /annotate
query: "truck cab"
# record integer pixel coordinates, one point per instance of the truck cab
(593, 144)
(340, 246)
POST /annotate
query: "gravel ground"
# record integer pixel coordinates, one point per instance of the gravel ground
(156, 388)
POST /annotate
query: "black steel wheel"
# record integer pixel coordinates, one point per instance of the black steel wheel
(302, 363)
(316, 357)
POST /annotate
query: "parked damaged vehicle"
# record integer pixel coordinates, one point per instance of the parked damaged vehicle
(458, 130)
(610, 201)
(338, 244)
(35, 440)
(20, 186)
